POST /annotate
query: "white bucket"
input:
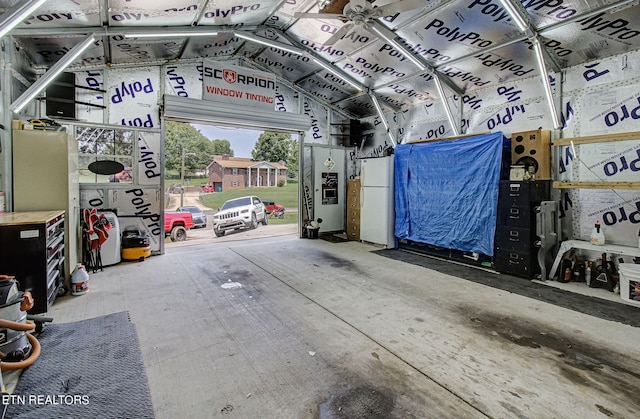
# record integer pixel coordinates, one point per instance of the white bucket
(79, 280)
(630, 282)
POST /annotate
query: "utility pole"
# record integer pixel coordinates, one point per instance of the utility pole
(184, 154)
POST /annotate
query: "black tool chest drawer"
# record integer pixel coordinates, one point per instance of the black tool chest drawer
(516, 239)
(521, 193)
(519, 216)
(516, 263)
(515, 250)
(32, 249)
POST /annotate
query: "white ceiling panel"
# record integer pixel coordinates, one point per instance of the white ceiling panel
(61, 13)
(151, 13)
(471, 44)
(236, 13)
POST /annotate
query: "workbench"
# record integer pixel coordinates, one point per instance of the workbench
(567, 245)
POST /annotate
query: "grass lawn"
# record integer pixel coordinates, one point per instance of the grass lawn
(196, 181)
(286, 196)
(192, 181)
(289, 218)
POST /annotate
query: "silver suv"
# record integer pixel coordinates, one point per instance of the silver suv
(199, 217)
(244, 212)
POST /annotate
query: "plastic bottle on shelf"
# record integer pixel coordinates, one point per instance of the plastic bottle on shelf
(532, 172)
(597, 236)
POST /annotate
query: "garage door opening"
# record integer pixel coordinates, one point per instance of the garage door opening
(209, 165)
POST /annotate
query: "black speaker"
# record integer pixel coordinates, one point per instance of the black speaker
(354, 137)
(61, 97)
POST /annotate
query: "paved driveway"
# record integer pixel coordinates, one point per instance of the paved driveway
(198, 235)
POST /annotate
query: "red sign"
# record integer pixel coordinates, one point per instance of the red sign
(227, 83)
(229, 76)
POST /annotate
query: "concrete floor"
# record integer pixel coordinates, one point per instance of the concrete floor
(282, 327)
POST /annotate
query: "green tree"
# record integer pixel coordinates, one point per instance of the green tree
(180, 136)
(221, 147)
(272, 147)
(292, 159)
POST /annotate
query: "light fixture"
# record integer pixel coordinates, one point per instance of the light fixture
(169, 34)
(374, 99)
(381, 31)
(15, 16)
(248, 37)
(335, 73)
(51, 74)
(268, 42)
(515, 15)
(545, 81)
(447, 109)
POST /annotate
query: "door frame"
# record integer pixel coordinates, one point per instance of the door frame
(207, 112)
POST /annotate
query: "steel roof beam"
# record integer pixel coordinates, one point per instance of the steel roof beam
(42, 82)
(16, 15)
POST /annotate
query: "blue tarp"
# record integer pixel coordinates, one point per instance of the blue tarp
(446, 192)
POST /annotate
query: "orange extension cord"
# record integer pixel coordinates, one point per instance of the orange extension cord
(26, 304)
(35, 345)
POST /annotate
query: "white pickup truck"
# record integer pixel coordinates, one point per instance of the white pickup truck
(239, 213)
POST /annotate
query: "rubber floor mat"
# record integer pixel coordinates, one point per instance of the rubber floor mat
(593, 306)
(87, 369)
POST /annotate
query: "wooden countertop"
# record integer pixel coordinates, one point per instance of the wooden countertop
(28, 217)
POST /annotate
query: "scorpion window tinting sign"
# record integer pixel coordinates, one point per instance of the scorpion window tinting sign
(329, 188)
(222, 82)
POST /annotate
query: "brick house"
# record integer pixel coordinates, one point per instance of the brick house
(227, 173)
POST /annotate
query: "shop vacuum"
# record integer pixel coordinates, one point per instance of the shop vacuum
(18, 348)
(135, 244)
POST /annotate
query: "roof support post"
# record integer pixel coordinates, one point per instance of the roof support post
(376, 103)
(445, 103)
(13, 17)
(545, 82)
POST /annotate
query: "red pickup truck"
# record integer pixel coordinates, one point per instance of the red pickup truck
(176, 225)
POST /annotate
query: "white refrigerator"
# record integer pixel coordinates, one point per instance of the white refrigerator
(377, 201)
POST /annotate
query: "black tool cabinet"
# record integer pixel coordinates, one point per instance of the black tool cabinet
(32, 248)
(515, 249)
